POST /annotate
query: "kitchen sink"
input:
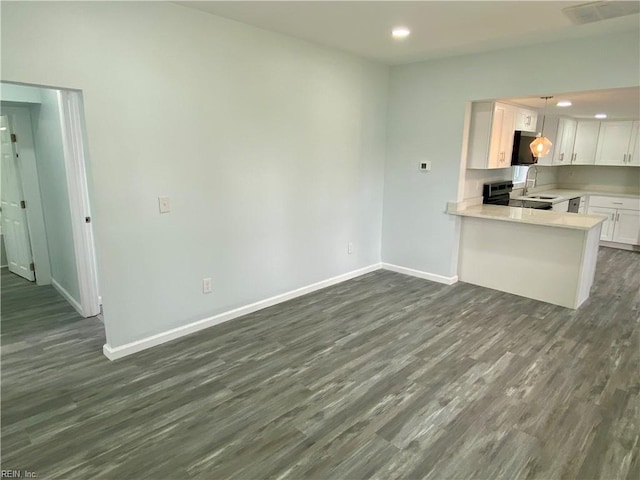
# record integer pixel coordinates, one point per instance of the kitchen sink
(541, 197)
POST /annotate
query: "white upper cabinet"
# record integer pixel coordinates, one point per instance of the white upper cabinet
(616, 143)
(634, 150)
(491, 135)
(526, 120)
(584, 147)
(565, 138)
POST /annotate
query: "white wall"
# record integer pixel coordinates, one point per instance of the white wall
(623, 179)
(271, 151)
(427, 104)
(55, 193)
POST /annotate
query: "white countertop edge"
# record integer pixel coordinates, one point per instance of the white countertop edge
(531, 216)
(567, 193)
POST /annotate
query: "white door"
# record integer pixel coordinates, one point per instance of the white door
(14, 218)
(504, 117)
(606, 233)
(613, 143)
(584, 147)
(627, 227)
(565, 138)
(634, 153)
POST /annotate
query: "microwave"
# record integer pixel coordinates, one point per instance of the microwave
(521, 154)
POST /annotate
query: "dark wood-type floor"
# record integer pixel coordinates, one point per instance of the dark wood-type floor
(384, 376)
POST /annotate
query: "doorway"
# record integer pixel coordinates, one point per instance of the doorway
(47, 225)
(15, 233)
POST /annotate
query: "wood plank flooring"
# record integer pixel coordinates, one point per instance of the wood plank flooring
(385, 376)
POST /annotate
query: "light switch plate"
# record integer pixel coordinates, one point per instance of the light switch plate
(163, 203)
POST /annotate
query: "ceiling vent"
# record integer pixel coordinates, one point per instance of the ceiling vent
(597, 11)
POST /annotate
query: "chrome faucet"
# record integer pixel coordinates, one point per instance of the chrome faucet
(526, 179)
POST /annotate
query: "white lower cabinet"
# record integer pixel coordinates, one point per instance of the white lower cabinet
(627, 227)
(583, 205)
(560, 207)
(622, 224)
(606, 233)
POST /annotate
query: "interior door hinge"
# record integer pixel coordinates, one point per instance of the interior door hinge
(23, 204)
(14, 138)
(32, 267)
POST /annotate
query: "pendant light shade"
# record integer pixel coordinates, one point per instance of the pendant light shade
(541, 146)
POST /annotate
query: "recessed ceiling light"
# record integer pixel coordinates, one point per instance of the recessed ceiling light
(564, 103)
(400, 32)
(601, 115)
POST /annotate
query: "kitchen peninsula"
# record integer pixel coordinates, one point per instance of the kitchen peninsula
(539, 254)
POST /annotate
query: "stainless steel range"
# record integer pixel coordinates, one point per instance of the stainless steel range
(497, 193)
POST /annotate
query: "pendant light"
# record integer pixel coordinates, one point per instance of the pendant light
(541, 146)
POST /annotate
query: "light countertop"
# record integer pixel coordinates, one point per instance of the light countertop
(564, 194)
(532, 216)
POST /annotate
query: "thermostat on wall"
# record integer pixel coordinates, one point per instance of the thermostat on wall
(425, 165)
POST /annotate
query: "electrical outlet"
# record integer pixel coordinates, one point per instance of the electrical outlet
(163, 203)
(206, 285)
(350, 248)
(425, 165)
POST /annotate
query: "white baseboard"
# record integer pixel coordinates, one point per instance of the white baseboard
(113, 353)
(621, 246)
(67, 296)
(420, 274)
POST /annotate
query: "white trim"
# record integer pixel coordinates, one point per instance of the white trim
(72, 143)
(113, 353)
(621, 246)
(67, 296)
(434, 277)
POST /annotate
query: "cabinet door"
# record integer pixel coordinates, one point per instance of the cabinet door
(613, 143)
(634, 148)
(565, 139)
(607, 227)
(584, 147)
(502, 130)
(583, 205)
(526, 120)
(627, 227)
(560, 207)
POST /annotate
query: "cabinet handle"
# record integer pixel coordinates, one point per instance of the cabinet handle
(617, 203)
(624, 158)
(613, 217)
(617, 217)
(561, 157)
(573, 157)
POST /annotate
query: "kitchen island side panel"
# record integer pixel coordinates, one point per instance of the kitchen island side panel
(539, 262)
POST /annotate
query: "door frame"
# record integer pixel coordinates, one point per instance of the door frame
(75, 156)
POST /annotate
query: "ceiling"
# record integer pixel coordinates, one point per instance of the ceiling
(618, 103)
(438, 28)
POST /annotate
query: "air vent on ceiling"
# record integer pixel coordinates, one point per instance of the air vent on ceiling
(597, 11)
